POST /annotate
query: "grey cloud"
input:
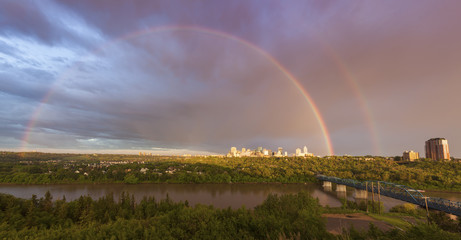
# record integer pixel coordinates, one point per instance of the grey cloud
(7, 49)
(14, 118)
(212, 97)
(118, 18)
(187, 89)
(27, 20)
(32, 90)
(24, 18)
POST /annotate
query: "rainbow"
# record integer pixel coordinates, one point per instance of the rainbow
(352, 81)
(212, 32)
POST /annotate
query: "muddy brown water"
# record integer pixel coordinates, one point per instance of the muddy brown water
(218, 195)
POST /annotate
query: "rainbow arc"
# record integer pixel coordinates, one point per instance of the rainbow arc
(211, 32)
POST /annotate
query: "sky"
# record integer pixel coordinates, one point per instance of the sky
(173, 77)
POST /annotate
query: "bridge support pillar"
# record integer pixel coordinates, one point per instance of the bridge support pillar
(327, 186)
(340, 188)
(360, 194)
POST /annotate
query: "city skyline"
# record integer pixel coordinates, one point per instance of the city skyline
(267, 152)
(177, 77)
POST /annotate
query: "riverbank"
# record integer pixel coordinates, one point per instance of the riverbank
(426, 192)
(141, 183)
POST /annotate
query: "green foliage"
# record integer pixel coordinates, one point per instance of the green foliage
(409, 209)
(429, 232)
(41, 168)
(419, 231)
(295, 216)
(130, 179)
(287, 215)
(396, 220)
(371, 206)
(444, 221)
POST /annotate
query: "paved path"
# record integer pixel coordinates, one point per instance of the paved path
(361, 222)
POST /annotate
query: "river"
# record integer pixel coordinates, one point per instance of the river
(218, 195)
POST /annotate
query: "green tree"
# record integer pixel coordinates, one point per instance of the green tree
(130, 179)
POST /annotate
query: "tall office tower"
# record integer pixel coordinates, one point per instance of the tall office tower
(279, 152)
(265, 152)
(298, 152)
(305, 150)
(233, 150)
(437, 149)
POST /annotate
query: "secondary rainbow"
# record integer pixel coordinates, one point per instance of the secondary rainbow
(212, 32)
(352, 81)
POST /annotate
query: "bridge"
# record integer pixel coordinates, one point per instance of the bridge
(400, 192)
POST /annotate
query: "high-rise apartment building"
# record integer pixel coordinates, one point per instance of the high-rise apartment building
(437, 149)
(410, 156)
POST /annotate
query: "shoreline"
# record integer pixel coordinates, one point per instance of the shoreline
(96, 183)
(253, 183)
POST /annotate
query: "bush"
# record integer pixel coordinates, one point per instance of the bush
(409, 209)
(130, 179)
(373, 207)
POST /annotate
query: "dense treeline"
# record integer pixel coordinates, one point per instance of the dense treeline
(288, 216)
(83, 168)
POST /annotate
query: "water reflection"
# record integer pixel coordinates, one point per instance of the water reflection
(218, 195)
(327, 188)
(341, 194)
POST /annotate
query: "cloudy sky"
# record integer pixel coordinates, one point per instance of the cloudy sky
(202, 76)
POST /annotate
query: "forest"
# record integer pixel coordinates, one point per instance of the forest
(47, 168)
(296, 216)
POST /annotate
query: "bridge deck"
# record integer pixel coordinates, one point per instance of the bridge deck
(400, 192)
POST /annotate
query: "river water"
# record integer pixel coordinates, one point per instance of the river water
(218, 195)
